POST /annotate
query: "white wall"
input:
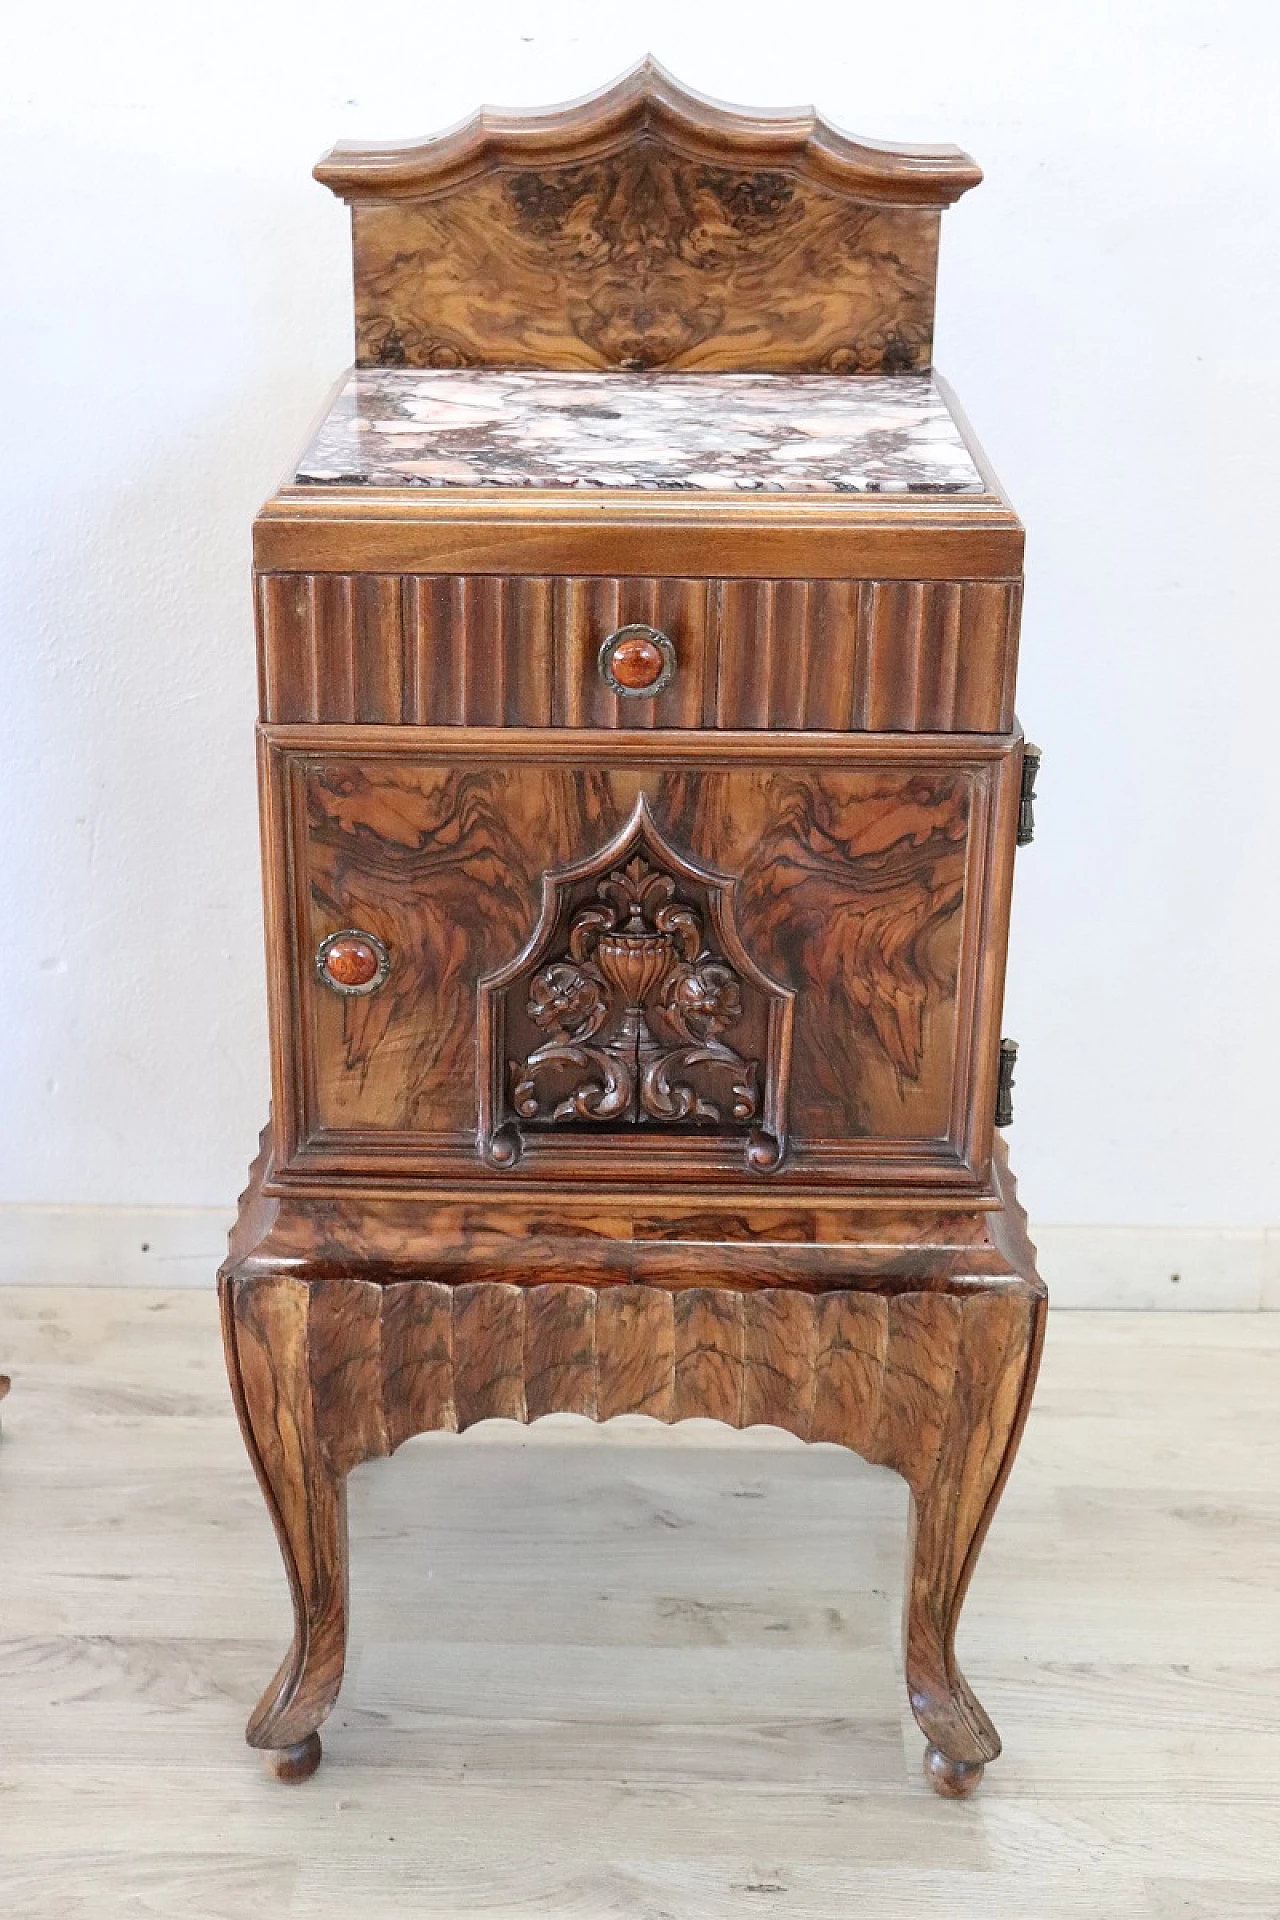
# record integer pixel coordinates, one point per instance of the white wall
(175, 303)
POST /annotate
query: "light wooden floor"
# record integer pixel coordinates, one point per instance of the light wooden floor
(624, 1672)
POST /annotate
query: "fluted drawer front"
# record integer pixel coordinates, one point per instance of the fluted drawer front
(513, 650)
(883, 656)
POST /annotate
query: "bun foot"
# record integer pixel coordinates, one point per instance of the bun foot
(300, 1762)
(953, 1779)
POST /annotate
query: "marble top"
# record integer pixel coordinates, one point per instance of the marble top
(713, 432)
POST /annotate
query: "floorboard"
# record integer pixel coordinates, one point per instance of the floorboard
(625, 1673)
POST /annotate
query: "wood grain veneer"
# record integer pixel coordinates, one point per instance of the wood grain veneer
(934, 1383)
(646, 227)
(637, 1054)
(656, 535)
(852, 857)
(517, 650)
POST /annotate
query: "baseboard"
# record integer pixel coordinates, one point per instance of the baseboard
(1197, 1269)
(112, 1246)
(1194, 1268)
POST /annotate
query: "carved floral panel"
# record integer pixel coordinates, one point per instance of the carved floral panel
(635, 1005)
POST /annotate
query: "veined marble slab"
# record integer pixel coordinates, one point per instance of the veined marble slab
(721, 432)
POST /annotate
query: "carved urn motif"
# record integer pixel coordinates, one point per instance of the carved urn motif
(636, 962)
(634, 989)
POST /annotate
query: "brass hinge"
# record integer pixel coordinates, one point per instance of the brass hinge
(1004, 1085)
(1027, 800)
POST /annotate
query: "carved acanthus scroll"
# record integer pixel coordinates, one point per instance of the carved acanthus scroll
(635, 1010)
(616, 1014)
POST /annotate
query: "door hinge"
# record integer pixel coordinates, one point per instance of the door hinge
(1027, 799)
(1004, 1085)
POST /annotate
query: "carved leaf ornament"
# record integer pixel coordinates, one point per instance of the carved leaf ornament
(633, 980)
(637, 1006)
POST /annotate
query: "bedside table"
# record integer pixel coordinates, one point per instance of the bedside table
(640, 788)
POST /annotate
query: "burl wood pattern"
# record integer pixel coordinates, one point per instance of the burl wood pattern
(851, 868)
(631, 1234)
(513, 650)
(932, 1383)
(646, 228)
(644, 260)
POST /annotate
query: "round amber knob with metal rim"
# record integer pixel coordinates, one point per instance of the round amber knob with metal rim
(637, 662)
(352, 961)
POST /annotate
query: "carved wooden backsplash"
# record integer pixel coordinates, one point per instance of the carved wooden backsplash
(646, 227)
(645, 260)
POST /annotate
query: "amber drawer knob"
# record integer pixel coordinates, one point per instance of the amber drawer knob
(637, 662)
(352, 961)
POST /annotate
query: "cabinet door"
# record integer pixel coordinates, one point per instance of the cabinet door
(605, 957)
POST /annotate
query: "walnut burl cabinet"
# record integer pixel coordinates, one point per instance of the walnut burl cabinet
(640, 792)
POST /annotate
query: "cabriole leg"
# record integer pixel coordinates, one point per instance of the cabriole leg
(265, 1327)
(996, 1358)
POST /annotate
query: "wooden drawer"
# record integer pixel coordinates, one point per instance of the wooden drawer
(835, 918)
(523, 651)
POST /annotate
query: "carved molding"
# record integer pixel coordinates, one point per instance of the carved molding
(930, 1381)
(646, 227)
(646, 100)
(617, 1012)
(636, 962)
